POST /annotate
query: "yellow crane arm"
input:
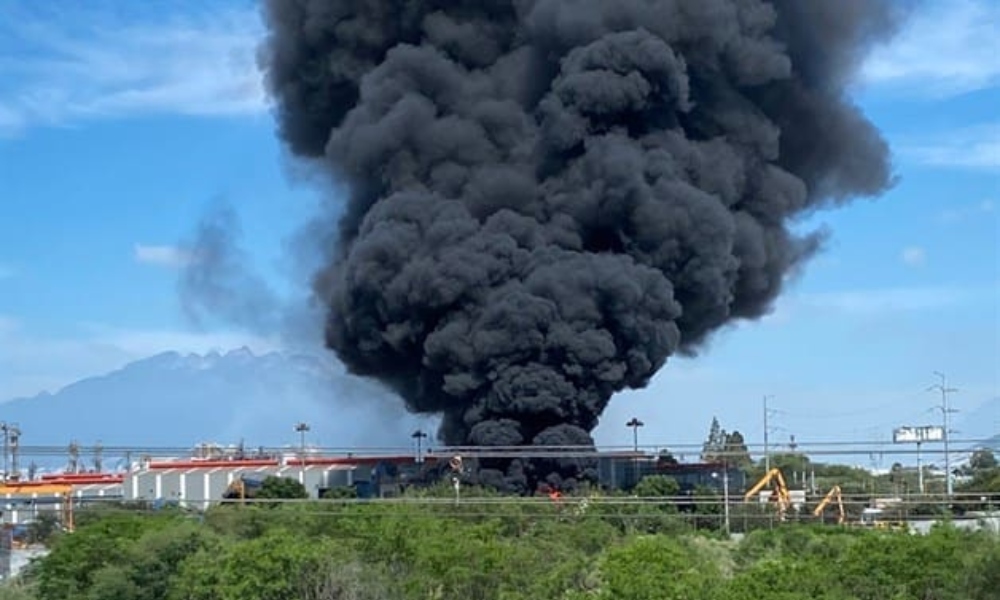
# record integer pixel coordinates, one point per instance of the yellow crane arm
(831, 496)
(764, 481)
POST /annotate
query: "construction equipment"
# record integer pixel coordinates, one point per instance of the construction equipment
(872, 518)
(834, 496)
(242, 487)
(779, 494)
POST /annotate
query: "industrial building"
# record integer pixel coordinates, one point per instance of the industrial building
(197, 482)
(23, 501)
(194, 483)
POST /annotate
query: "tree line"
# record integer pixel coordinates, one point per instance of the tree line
(426, 546)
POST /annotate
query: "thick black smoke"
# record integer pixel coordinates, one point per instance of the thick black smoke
(551, 197)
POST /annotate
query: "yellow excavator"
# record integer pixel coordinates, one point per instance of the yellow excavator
(779, 495)
(833, 496)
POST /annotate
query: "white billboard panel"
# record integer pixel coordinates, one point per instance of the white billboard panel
(911, 435)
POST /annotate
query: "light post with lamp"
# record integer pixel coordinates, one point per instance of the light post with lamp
(302, 428)
(419, 435)
(635, 424)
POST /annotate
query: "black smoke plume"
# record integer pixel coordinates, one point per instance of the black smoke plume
(548, 198)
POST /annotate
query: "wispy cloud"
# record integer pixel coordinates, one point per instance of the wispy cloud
(32, 362)
(913, 256)
(976, 147)
(945, 48)
(877, 301)
(173, 257)
(971, 210)
(62, 65)
(7, 324)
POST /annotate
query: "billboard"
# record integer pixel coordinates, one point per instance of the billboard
(927, 433)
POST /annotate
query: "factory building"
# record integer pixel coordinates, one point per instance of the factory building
(200, 483)
(203, 480)
(57, 494)
(623, 470)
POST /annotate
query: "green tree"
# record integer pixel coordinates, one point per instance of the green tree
(982, 460)
(281, 488)
(276, 566)
(150, 564)
(43, 529)
(657, 568)
(657, 486)
(666, 457)
(715, 445)
(736, 452)
(67, 573)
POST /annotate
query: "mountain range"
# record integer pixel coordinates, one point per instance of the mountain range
(180, 400)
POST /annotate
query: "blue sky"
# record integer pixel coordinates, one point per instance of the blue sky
(121, 123)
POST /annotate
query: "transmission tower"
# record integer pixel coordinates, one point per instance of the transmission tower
(946, 412)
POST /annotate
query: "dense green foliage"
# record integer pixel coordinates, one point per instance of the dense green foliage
(426, 547)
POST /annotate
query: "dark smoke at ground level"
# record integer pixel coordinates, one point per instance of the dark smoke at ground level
(549, 198)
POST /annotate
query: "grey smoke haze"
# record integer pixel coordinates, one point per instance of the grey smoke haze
(550, 198)
(221, 282)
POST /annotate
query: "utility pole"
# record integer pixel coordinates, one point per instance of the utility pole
(725, 495)
(15, 449)
(74, 457)
(98, 457)
(767, 430)
(946, 410)
(6, 450)
(920, 471)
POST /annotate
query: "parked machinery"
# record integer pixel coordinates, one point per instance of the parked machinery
(832, 497)
(779, 491)
(243, 487)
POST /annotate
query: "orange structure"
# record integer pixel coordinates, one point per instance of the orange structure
(33, 491)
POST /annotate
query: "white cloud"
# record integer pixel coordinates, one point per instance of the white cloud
(77, 65)
(945, 48)
(32, 362)
(7, 324)
(975, 147)
(966, 211)
(875, 301)
(913, 256)
(164, 256)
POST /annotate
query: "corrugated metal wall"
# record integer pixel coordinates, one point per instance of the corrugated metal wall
(198, 488)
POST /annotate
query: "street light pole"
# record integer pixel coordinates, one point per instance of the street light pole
(635, 424)
(945, 412)
(418, 435)
(302, 428)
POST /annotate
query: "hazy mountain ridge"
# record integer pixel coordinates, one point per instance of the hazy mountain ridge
(178, 400)
(173, 399)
